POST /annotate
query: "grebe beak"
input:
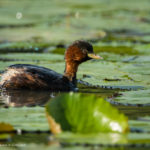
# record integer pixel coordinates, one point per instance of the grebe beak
(94, 56)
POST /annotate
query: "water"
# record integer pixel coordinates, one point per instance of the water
(15, 98)
(41, 27)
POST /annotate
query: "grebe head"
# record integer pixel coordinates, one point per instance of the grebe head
(79, 52)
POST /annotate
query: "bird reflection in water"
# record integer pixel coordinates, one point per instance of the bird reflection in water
(18, 98)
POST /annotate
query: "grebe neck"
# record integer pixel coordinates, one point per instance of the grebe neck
(70, 72)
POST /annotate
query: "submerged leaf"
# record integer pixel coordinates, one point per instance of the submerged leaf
(84, 114)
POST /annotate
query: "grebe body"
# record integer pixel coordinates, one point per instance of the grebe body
(25, 76)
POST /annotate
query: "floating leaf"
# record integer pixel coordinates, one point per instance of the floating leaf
(30, 119)
(140, 124)
(105, 139)
(139, 138)
(4, 137)
(122, 50)
(99, 138)
(5, 127)
(134, 97)
(22, 47)
(84, 114)
(32, 57)
(59, 51)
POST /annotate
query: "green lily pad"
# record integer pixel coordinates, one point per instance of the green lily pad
(105, 139)
(122, 50)
(140, 68)
(139, 138)
(84, 114)
(99, 138)
(133, 111)
(143, 48)
(138, 59)
(23, 47)
(134, 97)
(140, 124)
(59, 51)
(31, 57)
(5, 137)
(30, 119)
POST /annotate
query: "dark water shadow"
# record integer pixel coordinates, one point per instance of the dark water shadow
(2, 26)
(19, 98)
(29, 98)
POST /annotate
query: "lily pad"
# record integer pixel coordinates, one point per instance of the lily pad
(30, 119)
(4, 127)
(31, 57)
(98, 71)
(105, 139)
(93, 139)
(140, 68)
(135, 97)
(133, 111)
(122, 50)
(143, 48)
(140, 124)
(22, 47)
(5, 137)
(59, 51)
(84, 114)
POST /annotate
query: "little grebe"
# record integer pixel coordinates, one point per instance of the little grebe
(25, 76)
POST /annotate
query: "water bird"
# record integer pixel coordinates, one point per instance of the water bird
(32, 77)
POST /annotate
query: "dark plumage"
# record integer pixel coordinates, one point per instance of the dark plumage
(25, 76)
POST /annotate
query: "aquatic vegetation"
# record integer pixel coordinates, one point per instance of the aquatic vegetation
(37, 33)
(4, 127)
(29, 119)
(59, 51)
(29, 57)
(21, 47)
(122, 50)
(139, 97)
(84, 114)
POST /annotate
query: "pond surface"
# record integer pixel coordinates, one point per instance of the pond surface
(37, 32)
(34, 129)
